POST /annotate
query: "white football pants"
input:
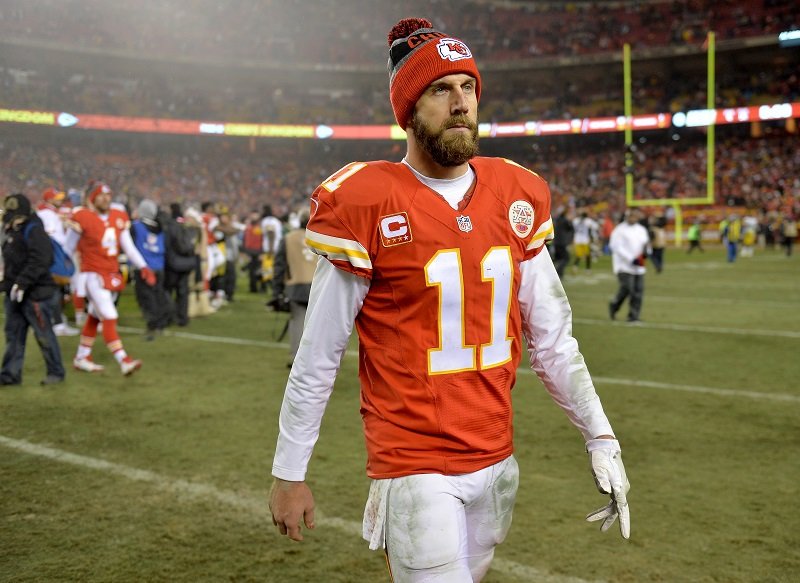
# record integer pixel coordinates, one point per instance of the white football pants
(101, 300)
(443, 529)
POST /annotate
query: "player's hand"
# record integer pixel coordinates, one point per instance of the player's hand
(289, 502)
(609, 475)
(149, 276)
(16, 294)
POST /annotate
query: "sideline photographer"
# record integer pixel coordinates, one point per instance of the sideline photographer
(294, 268)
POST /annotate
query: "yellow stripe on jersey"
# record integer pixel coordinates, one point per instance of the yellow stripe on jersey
(339, 249)
(334, 181)
(507, 161)
(543, 233)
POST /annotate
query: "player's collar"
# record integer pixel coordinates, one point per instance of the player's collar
(455, 191)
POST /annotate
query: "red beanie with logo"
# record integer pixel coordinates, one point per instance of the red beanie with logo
(418, 56)
(95, 189)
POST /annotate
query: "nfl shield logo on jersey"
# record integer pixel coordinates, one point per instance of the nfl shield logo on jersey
(464, 223)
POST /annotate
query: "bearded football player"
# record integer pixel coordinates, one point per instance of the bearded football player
(439, 262)
(99, 232)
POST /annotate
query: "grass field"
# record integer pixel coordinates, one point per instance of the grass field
(163, 476)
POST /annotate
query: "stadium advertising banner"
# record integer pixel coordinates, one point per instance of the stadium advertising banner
(655, 121)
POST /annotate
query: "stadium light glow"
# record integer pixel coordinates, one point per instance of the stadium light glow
(576, 126)
(789, 38)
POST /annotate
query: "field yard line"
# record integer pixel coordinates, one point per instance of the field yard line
(251, 504)
(523, 369)
(591, 280)
(696, 300)
(708, 390)
(783, 397)
(691, 328)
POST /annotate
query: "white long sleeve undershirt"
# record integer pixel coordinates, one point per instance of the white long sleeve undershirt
(553, 352)
(337, 297)
(127, 244)
(335, 300)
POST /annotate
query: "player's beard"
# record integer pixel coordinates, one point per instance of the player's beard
(103, 207)
(447, 151)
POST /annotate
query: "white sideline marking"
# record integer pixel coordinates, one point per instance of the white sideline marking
(693, 300)
(708, 390)
(689, 328)
(208, 338)
(760, 286)
(244, 502)
(695, 389)
(523, 369)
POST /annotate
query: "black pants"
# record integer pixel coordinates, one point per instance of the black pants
(632, 286)
(658, 258)
(253, 269)
(154, 302)
(56, 307)
(694, 244)
(229, 280)
(560, 259)
(177, 286)
(19, 317)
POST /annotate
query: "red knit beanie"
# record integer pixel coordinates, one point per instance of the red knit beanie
(419, 55)
(96, 189)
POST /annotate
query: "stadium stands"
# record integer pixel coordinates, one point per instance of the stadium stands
(556, 96)
(280, 62)
(757, 174)
(333, 33)
(323, 62)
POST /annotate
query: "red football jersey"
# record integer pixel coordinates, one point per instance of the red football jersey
(99, 244)
(440, 329)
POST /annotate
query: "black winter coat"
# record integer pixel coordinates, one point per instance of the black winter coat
(27, 260)
(564, 231)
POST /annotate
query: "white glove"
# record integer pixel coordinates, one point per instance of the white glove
(16, 294)
(609, 475)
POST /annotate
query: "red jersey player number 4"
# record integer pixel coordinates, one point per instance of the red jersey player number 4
(100, 231)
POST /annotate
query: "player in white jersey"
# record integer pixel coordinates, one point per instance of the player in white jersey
(49, 210)
(586, 232)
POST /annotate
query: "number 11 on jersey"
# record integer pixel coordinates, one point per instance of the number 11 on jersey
(445, 271)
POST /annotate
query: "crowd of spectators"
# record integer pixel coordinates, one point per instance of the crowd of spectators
(757, 174)
(751, 173)
(333, 32)
(166, 30)
(556, 94)
(328, 34)
(237, 180)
